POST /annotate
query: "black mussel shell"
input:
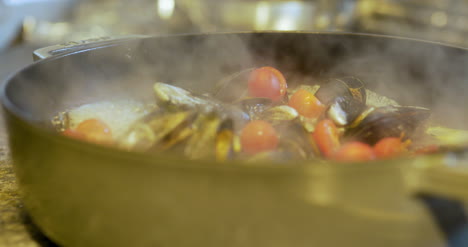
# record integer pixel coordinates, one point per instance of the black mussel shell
(345, 109)
(232, 87)
(389, 121)
(254, 107)
(294, 140)
(339, 87)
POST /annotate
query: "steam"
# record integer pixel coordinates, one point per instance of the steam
(411, 72)
(414, 75)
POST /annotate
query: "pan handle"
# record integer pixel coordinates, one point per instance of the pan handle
(82, 45)
(441, 184)
(442, 175)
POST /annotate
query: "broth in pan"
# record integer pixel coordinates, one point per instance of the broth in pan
(253, 115)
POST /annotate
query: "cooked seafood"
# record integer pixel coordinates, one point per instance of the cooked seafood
(263, 119)
(254, 107)
(388, 121)
(346, 98)
(350, 87)
(345, 109)
(151, 130)
(279, 114)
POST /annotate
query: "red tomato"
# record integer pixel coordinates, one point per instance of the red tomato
(95, 130)
(74, 134)
(326, 137)
(389, 147)
(306, 104)
(267, 82)
(354, 152)
(258, 136)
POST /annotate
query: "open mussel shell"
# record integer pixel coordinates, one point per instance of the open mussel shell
(341, 87)
(152, 129)
(171, 96)
(232, 87)
(254, 107)
(374, 99)
(195, 134)
(389, 121)
(293, 141)
(201, 143)
(346, 98)
(345, 109)
(175, 98)
(280, 113)
(208, 136)
(225, 142)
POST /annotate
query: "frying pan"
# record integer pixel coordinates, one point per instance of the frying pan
(81, 194)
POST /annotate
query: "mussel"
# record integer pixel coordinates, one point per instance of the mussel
(208, 132)
(232, 87)
(345, 109)
(196, 134)
(345, 86)
(226, 143)
(374, 99)
(198, 126)
(389, 121)
(153, 128)
(294, 140)
(254, 107)
(346, 98)
(172, 97)
(281, 113)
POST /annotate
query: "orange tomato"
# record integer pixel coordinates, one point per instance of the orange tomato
(267, 82)
(258, 136)
(306, 104)
(93, 130)
(389, 147)
(354, 152)
(74, 134)
(326, 137)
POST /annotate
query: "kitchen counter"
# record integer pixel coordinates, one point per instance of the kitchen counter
(16, 228)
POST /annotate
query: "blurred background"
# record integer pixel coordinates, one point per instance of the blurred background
(29, 24)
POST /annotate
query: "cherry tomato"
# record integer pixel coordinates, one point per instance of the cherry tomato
(74, 134)
(267, 82)
(354, 152)
(326, 137)
(258, 136)
(95, 130)
(306, 104)
(389, 147)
